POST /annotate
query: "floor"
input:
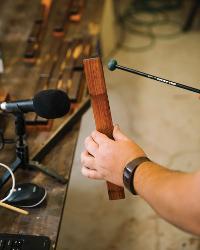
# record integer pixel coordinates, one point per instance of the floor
(165, 122)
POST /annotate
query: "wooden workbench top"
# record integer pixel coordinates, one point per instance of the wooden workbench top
(20, 80)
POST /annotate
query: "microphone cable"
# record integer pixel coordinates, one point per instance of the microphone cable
(4, 141)
(142, 18)
(13, 182)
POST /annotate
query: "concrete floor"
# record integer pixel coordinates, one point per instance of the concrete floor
(165, 122)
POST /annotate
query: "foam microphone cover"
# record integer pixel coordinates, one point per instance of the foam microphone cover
(51, 103)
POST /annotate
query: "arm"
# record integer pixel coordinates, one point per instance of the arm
(175, 196)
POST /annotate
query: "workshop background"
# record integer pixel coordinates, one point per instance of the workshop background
(42, 48)
(161, 38)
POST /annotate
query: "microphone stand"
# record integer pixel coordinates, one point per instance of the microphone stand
(22, 154)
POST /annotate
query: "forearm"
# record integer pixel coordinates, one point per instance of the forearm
(173, 195)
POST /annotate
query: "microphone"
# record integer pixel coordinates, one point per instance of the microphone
(112, 65)
(49, 104)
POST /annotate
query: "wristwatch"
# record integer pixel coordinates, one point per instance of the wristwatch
(129, 171)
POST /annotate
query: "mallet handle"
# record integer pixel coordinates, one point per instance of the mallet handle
(15, 209)
(101, 110)
(159, 79)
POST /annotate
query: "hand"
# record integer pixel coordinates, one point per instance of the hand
(105, 158)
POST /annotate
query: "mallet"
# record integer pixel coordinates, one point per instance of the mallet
(112, 65)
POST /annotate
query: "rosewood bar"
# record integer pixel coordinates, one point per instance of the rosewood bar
(101, 109)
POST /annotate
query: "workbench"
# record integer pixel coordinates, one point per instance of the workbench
(19, 79)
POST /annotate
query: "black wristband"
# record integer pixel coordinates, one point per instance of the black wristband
(129, 171)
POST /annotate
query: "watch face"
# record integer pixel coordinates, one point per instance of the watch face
(130, 168)
(127, 178)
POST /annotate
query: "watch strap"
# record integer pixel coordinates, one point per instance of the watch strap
(129, 171)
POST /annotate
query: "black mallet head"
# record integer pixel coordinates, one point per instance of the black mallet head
(112, 65)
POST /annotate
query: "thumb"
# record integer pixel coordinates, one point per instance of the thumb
(118, 135)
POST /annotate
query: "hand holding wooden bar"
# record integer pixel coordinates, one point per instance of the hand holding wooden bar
(101, 109)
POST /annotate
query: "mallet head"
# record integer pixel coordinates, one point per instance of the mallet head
(112, 65)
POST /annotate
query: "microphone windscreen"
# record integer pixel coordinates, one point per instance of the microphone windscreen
(51, 103)
(112, 64)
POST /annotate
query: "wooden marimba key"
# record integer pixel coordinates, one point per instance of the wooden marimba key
(101, 110)
(37, 33)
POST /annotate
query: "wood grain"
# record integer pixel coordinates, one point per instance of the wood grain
(101, 109)
(37, 33)
(20, 81)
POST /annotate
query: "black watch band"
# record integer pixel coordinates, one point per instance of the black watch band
(129, 171)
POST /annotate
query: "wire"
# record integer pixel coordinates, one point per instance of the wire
(13, 183)
(4, 141)
(157, 5)
(145, 18)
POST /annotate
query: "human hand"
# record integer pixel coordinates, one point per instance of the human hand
(105, 158)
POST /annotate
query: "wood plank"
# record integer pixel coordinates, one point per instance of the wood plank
(37, 33)
(101, 110)
(62, 18)
(20, 80)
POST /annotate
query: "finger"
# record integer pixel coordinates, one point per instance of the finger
(118, 135)
(98, 137)
(87, 160)
(90, 173)
(91, 146)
